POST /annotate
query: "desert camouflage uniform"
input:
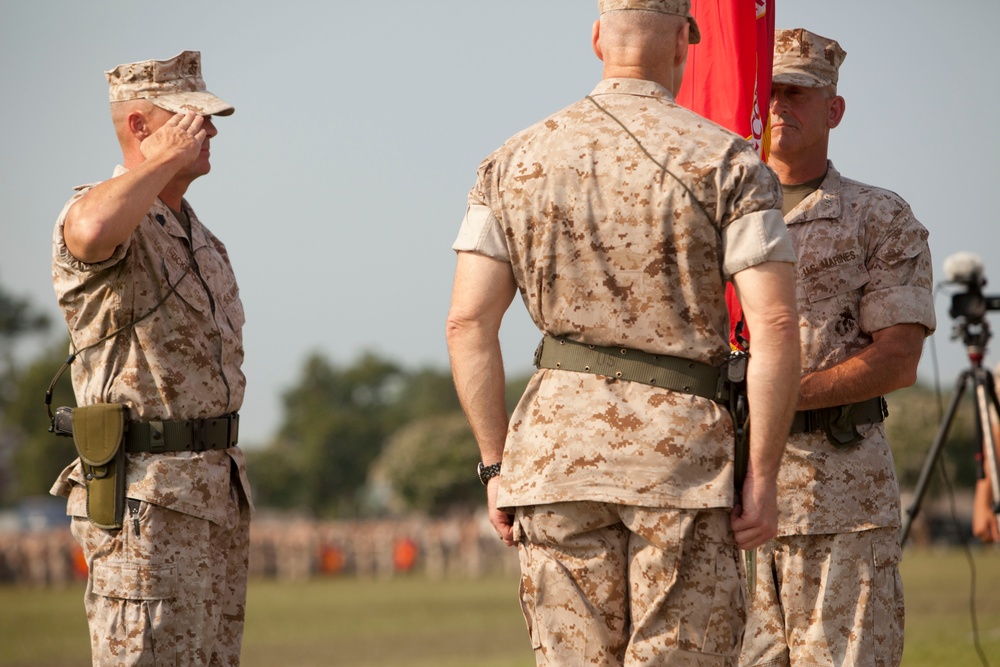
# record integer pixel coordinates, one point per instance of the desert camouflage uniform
(864, 265)
(620, 488)
(170, 587)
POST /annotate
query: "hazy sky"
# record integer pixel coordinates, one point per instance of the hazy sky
(339, 184)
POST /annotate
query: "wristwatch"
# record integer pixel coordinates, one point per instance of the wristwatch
(486, 473)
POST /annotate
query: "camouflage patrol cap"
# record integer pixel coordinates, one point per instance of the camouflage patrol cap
(803, 58)
(675, 7)
(174, 84)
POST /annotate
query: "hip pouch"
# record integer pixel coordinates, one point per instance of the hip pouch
(98, 433)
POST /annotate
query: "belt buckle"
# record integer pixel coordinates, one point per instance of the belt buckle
(537, 359)
(219, 433)
(233, 429)
(198, 432)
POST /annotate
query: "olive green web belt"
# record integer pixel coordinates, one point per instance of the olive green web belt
(182, 435)
(872, 411)
(659, 370)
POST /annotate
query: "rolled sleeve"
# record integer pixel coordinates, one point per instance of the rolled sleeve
(755, 238)
(61, 254)
(906, 304)
(482, 234)
(901, 287)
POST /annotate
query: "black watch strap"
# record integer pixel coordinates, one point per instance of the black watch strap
(486, 473)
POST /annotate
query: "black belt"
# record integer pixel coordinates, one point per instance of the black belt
(182, 435)
(659, 370)
(872, 411)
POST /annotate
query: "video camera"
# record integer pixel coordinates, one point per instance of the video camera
(966, 269)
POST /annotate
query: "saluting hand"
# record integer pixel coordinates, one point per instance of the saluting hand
(180, 139)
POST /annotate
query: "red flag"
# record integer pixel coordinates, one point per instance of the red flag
(728, 80)
(728, 74)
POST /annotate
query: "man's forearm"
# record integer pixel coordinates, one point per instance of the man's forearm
(889, 363)
(772, 385)
(483, 290)
(477, 367)
(767, 293)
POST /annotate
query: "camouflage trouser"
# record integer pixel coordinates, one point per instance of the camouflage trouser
(827, 600)
(614, 585)
(171, 591)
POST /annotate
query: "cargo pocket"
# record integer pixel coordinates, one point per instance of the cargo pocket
(133, 581)
(132, 615)
(717, 631)
(887, 603)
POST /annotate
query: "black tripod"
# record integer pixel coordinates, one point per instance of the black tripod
(975, 335)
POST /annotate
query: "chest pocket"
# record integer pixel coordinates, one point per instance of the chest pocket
(233, 306)
(193, 291)
(836, 280)
(188, 285)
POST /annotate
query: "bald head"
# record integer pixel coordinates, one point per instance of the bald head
(642, 44)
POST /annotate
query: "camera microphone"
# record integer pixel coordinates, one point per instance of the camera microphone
(965, 268)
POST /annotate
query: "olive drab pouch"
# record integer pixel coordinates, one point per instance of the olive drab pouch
(98, 433)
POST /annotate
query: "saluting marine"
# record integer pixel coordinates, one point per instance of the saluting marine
(156, 321)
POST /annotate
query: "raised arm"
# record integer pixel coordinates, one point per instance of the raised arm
(108, 214)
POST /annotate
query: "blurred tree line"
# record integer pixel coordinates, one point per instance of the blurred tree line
(26, 451)
(369, 438)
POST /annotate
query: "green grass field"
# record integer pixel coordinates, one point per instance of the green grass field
(419, 623)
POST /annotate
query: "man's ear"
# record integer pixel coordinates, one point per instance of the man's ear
(681, 52)
(595, 40)
(837, 108)
(138, 124)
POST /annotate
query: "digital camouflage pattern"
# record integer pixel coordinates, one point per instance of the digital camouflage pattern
(167, 589)
(182, 361)
(625, 237)
(681, 603)
(864, 265)
(850, 614)
(174, 84)
(609, 249)
(803, 58)
(200, 323)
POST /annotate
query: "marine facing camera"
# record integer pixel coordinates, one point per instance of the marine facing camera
(966, 269)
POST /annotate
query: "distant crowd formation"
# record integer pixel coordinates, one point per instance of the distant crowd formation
(300, 549)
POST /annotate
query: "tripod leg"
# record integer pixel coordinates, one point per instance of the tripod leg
(988, 408)
(932, 456)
